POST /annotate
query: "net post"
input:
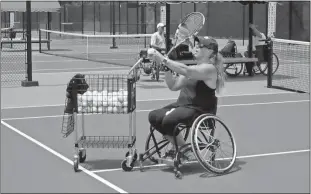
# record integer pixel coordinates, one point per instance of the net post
(29, 82)
(270, 62)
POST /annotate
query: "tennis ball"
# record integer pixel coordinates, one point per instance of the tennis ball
(100, 109)
(109, 109)
(94, 109)
(119, 104)
(84, 103)
(115, 109)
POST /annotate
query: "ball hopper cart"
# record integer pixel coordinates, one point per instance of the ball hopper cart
(101, 94)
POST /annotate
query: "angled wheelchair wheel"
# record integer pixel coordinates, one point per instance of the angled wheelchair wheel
(263, 67)
(213, 144)
(156, 144)
(233, 69)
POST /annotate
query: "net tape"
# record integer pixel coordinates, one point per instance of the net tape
(112, 49)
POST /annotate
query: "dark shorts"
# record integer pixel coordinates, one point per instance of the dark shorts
(166, 124)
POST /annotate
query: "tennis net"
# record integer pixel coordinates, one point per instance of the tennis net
(293, 72)
(112, 49)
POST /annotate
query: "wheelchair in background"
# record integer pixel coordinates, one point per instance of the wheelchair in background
(151, 67)
(148, 66)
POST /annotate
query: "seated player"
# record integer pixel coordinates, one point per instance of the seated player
(197, 85)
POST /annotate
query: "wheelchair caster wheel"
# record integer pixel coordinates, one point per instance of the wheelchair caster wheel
(178, 175)
(134, 157)
(82, 155)
(125, 167)
(76, 164)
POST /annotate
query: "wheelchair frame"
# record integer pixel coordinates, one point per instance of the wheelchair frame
(177, 163)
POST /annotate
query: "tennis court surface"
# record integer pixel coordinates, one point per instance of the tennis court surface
(271, 128)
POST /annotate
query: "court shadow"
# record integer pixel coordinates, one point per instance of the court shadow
(151, 86)
(196, 168)
(102, 164)
(241, 78)
(148, 80)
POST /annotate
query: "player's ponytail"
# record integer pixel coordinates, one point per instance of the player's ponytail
(221, 76)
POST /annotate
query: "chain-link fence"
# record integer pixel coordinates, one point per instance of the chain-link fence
(13, 59)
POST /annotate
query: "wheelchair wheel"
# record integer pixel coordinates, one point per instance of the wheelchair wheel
(233, 69)
(208, 147)
(161, 143)
(263, 67)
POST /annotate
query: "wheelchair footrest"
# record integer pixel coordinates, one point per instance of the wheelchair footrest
(167, 161)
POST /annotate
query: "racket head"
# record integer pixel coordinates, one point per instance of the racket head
(190, 26)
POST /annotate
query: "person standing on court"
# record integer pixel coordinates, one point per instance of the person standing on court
(158, 39)
(257, 36)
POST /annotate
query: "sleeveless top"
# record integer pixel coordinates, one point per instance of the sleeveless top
(197, 95)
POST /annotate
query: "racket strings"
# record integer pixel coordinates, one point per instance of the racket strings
(193, 23)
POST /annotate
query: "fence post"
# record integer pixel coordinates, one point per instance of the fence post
(270, 63)
(40, 40)
(29, 82)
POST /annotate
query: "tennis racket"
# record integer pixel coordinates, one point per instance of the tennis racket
(190, 26)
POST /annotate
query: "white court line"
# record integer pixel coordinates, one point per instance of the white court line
(61, 61)
(161, 99)
(74, 72)
(100, 179)
(239, 157)
(72, 69)
(75, 69)
(220, 106)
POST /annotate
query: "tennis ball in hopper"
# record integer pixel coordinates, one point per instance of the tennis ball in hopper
(115, 109)
(109, 109)
(84, 103)
(94, 109)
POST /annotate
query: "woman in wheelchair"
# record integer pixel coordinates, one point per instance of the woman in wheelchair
(197, 85)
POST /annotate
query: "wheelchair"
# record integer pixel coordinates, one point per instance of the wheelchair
(148, 66)
(203, 142)
(230, 51)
